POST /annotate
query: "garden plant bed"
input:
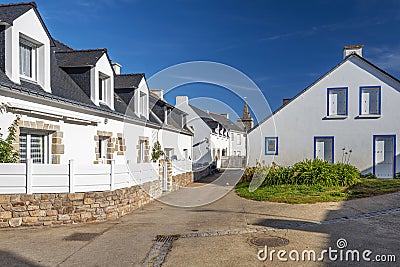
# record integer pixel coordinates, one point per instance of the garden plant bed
(298, 194)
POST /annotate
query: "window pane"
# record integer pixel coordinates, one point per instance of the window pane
(22, 148)
(25, 60)
(271, 145)
(100, 89)
(37, 148)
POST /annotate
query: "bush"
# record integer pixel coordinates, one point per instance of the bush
(309, 172)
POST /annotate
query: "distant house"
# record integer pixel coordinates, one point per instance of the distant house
(349, 114)
(216, 138)
(75, 104)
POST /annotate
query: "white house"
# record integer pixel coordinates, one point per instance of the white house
(215, 136)
(349, 114)
(75, 104)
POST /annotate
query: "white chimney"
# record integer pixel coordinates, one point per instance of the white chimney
(181, 100)
(352, 49)
(159, 93)
(226, 115)
(116, 67)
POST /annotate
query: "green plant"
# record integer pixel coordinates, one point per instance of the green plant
(157, 151)
(7, 152)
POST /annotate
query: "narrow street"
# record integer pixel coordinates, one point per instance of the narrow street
(216, 234)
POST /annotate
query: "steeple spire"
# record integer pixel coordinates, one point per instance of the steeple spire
(246, 121)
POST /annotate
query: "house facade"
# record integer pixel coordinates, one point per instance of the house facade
(348, 115)
(216, 138)
(75, 104)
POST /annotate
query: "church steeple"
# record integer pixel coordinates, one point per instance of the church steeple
(246, 120)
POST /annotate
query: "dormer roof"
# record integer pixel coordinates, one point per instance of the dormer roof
(10, 12)
(125, 81)
(79, 58)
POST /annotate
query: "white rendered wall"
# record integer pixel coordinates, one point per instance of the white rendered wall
(302, 119)
(29, 25)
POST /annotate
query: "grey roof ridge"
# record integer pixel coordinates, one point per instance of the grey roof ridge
(81, 50)
(319, 79)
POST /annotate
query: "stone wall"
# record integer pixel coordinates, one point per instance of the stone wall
(18, 210)
(67, 208)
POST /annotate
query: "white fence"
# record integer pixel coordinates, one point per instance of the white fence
(63, 178)
(181, 166)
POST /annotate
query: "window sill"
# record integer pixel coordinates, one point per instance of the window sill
(335, 117)
(27, 79)
(368, 116)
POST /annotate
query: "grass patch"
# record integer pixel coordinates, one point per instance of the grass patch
(297, 194)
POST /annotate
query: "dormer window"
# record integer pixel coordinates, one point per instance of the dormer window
(27, 59)
(103, 87)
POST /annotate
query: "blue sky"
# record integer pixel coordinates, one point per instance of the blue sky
(283, 46)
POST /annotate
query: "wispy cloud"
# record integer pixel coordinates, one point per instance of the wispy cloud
(386, 57)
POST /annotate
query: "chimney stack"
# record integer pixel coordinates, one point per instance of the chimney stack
(226, 115)
(159, 93)
(116, 67)
(286, 100)
(181, 100)
(352, 49)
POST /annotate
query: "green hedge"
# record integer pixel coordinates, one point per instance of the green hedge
(308, 172)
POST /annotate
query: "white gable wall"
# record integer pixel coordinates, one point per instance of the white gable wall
(29, 25)
(296, 124)
(102, 66)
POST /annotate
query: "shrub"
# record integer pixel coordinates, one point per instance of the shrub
(309, 172)
(7, 152)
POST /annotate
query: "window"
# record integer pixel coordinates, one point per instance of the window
(370, 100)
(239, 140)
(233, 136)
(27, 59)
(186, 153)
(35, 147)
(271, 145)
(103, 82)
(168, 153)
(337, 102)
(143, 105)
(142, 147)
(323, 148)
(103, 144)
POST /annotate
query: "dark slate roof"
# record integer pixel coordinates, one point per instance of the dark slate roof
(125, 94)
(128, 80)
(59, 46)
(10, 12)
(62, 84)
(206, 117)
(227, 123)
(79, 58)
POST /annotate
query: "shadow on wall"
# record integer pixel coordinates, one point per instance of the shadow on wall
(383, 165)
(10, 259)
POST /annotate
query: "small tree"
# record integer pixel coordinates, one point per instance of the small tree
(7, 152)
(157, 151)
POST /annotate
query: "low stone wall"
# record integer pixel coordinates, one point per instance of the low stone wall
(55, 209)
(181, 180)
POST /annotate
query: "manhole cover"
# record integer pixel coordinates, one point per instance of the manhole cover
(81, 236)
(269, 241)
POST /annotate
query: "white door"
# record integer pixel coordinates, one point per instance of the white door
(384, 156)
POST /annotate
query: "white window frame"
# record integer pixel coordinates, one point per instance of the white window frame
(142, 144)
(239, 140)
(268, 139)
(103, 82)
(336, 97)
(142, 104)
(46, 153)
(33, 60)
(365, 92)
